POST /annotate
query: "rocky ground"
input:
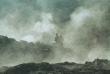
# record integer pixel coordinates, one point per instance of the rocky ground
(98, 66)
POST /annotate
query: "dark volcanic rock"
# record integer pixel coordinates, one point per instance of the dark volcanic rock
(28, 68)
(98, 66)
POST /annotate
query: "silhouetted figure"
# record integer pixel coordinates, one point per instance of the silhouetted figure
(57, 39)
(61, 40)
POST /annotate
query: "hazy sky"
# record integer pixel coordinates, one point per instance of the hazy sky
(24, 19)
(30, 19)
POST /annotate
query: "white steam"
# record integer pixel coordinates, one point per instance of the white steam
(79, 32)
(41, 27)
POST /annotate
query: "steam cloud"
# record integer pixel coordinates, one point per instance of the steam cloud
(84, 25)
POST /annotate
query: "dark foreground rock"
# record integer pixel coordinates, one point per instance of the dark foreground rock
(98, 66)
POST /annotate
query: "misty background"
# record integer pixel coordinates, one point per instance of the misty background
(84, 25)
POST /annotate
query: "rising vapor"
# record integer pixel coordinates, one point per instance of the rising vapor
(84, 25)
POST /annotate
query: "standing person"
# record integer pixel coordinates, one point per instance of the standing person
(61, 40)
(57, 39)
